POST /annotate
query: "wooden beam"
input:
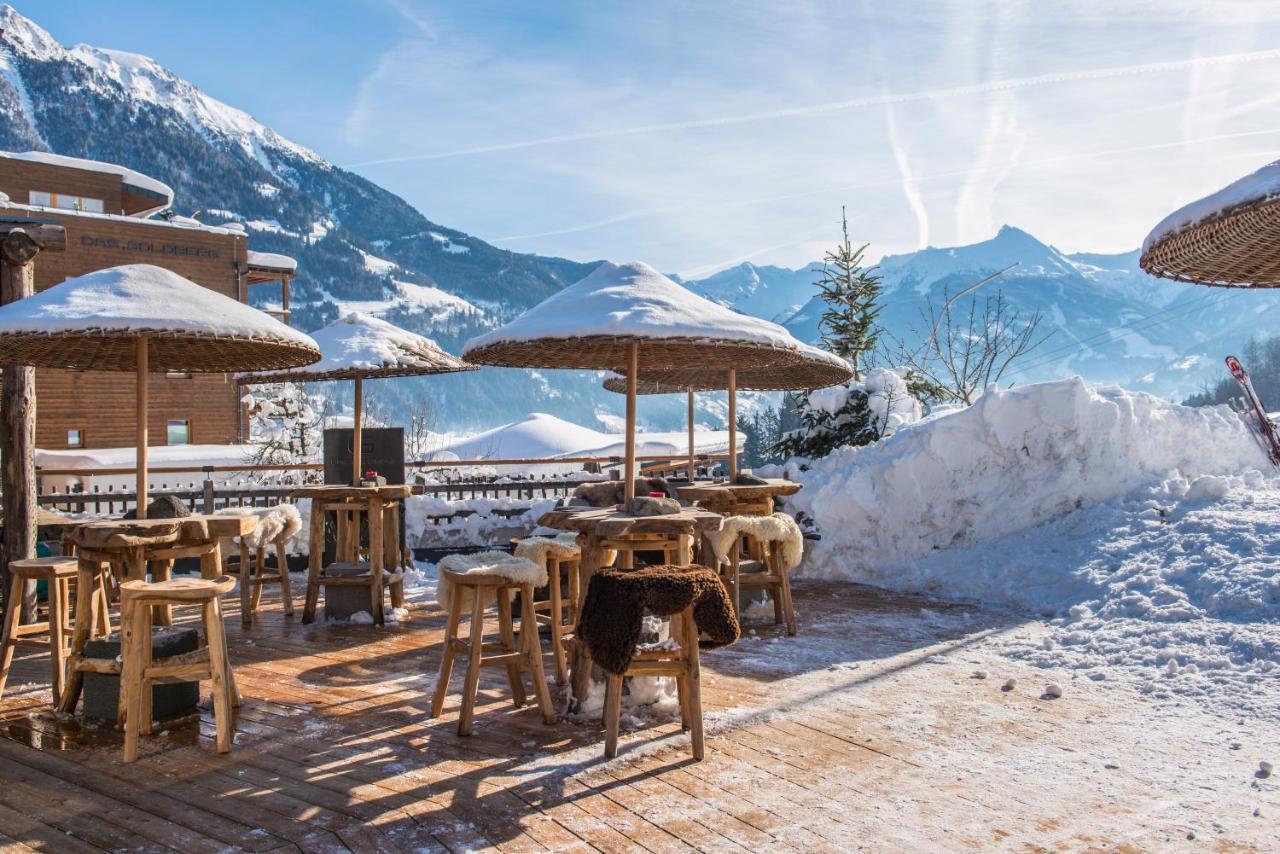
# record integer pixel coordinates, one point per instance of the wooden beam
(144, 377)
(20, 243)
(733, 425)
(629, 475)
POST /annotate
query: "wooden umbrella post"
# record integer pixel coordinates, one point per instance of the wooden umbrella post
(356, 441)
(140, 470)
(629, 478)
(691, 464)
(733, 424)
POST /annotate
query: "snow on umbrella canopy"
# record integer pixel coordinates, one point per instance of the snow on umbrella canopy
(632, 319)
(1228, 239)
(143, 318)
(359, 347)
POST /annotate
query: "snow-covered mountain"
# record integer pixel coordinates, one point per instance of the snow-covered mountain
(774, 293)
(1105, 318)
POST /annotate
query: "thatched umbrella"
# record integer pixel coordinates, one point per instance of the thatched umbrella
(814, 369)
(360, 347)
(143, 318)
(630, 318)
(1228, 239)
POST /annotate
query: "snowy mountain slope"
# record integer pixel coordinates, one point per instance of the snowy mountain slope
(1107, 320)
(773, 293)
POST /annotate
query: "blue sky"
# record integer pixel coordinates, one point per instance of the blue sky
(695, 136)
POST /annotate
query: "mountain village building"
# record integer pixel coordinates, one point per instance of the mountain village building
(112, 216)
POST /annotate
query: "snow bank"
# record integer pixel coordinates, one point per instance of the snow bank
(1014, 459)
(890, 402)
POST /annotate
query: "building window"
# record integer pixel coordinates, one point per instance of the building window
(65, 202)
(75, 439)
(179, 432)
(178, 375)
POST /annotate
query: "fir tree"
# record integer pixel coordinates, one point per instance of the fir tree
(852, 295)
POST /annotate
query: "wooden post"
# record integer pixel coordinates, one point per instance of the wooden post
(144, 378)
(284, 299)
(19, 245)
(628, 474)
(358, 406)
(733, 424)
(691, 464)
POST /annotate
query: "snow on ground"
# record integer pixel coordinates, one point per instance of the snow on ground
(1142, 530)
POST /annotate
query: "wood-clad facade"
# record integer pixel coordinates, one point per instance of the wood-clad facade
(93, 409)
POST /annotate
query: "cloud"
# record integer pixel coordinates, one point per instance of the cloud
(910, 187)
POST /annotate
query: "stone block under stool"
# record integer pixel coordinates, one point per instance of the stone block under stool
(102, 690)
(342, 601)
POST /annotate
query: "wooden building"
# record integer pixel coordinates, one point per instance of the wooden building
(114, 216)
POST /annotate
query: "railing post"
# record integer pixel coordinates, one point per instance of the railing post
(208, 489)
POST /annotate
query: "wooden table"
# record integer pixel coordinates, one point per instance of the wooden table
(381, 505)
(133, 544)
(738, 499)
(598, 529)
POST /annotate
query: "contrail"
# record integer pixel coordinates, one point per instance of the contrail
(852, 103)
(885, 182)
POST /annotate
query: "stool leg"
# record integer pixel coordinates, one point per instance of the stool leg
(676, 631)
(575, 591)
(557, 620)
(507, 633)
(533, 648)
(315, 557)
(246, 581)
(446, 657)
(57, 640)
(12, 613)
(102, 613)
(142, 617)
(690, 644)
(261, 570)
(282, 564)
(162, 570)
(612, 714)
(784, 589)
(219, 674)
(130, 680)
(88, 602)
(473, 661)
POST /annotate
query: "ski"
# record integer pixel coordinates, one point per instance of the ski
(1265, 426)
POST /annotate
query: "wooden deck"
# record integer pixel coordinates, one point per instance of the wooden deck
(813, 743)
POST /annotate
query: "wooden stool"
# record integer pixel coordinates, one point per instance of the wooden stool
(138, 671)
(681, 663)
(562, 557)
(58, 573)
(756, 556)
(677, 549)
(484, 582)
(384, 555)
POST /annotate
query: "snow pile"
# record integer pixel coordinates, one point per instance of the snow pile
(890, 402)
(1259, 186)
(430, 521)
(1014, 459)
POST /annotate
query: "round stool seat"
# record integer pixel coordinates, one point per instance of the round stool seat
(44, 567)
(492, 569)
(177, 589)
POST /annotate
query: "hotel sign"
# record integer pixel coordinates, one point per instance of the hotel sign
(148, 247)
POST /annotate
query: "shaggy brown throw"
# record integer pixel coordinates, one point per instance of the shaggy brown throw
(164, 507)
(607, 493)
(616, 602)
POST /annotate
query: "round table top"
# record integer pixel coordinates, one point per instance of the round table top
(738, 491)
(614, 522)
(339, 492)
(130, 533)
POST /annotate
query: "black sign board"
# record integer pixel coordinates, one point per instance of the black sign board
(381, 450)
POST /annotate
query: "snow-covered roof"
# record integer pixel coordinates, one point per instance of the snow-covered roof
(1259, 186)
(272, 261)
(134, 182)
(591, 324)
(98, 314)
(367, 346)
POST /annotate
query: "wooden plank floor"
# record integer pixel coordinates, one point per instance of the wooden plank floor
(334, 752)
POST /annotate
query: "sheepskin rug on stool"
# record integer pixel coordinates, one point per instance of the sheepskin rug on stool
(779, 529)
(279, 522)
(517, 570)
(539, 549)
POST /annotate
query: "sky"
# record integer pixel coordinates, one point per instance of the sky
(698, 136)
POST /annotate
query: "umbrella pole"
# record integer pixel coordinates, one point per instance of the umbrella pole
(733, 424)
(356, 471)
(140, 469)
(691, 466)
(629, 480)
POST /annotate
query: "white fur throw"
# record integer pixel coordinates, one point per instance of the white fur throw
(779, 529)
(281, 521)
(517, 570)
(540, 549)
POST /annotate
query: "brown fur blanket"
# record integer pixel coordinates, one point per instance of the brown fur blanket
(607, 493)
(614, 609)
